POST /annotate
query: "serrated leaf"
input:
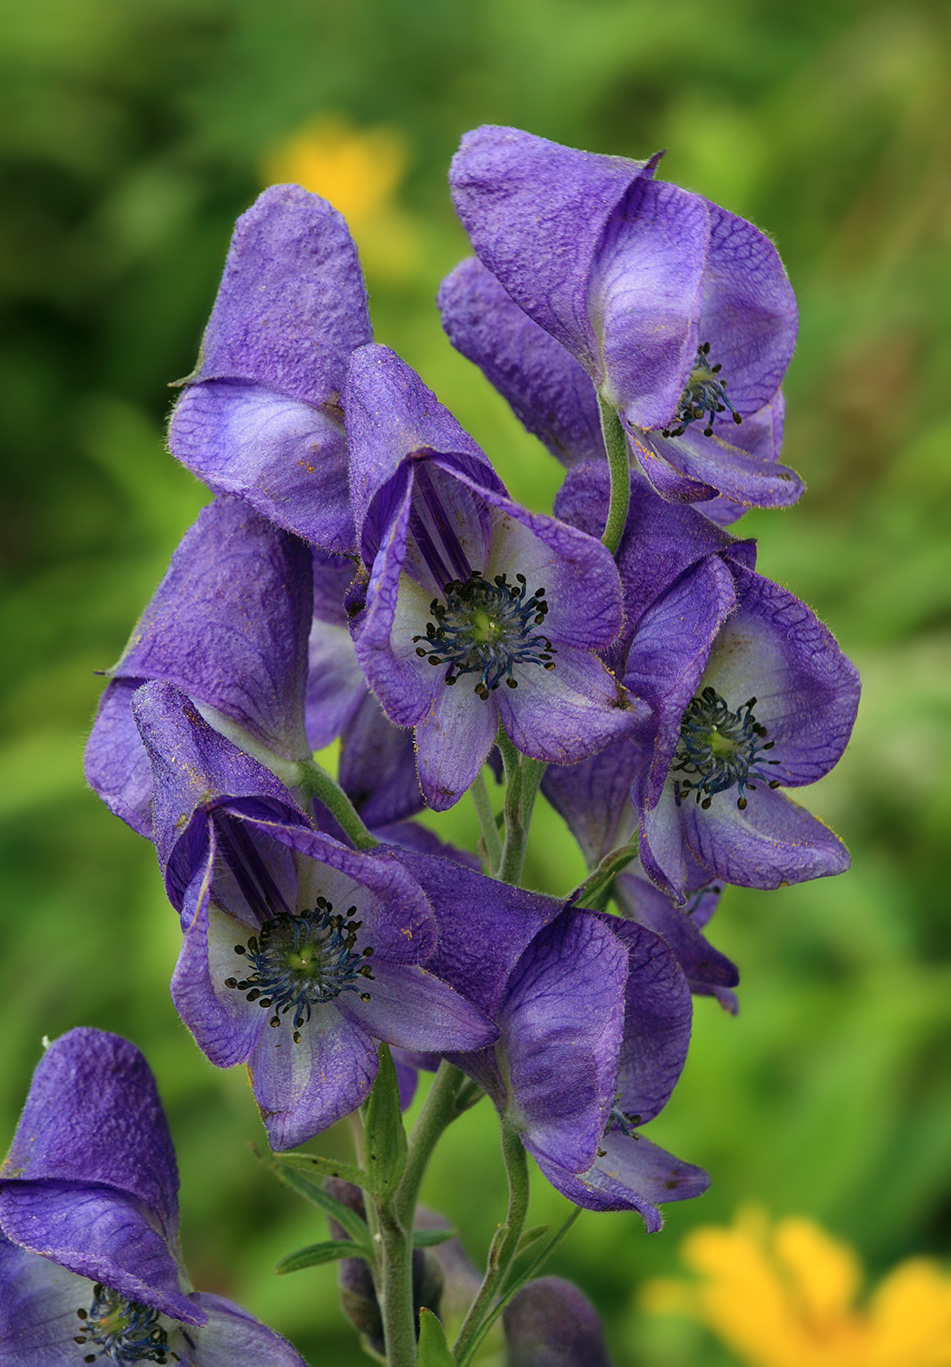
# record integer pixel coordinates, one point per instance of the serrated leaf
(315, 1254)
(328, 1167)
(428, 1238)
(384, 1138)
(311, 1189)
(530, 1237)
(432, 1350)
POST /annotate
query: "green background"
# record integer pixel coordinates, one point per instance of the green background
(131, 135)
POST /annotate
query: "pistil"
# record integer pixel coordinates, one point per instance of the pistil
(719, 749)
(486, 627)
(303, 961)
(704, 393)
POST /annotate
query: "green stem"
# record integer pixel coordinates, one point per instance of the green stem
(438, 1111)
(317, 783)
(522, 777)
(504, 1245)
(395, 1288)
(619, 466)
(490, 832)
(593, 891)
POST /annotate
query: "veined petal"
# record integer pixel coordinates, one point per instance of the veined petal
(228, 625)
(303, 1088)
(561, 1032)
(286, 457)
(453, 742)
(292, 304)
(116, 763)
(232, 1337)
(644, 295)
(774, 841)
(535, 213)
(566, 714)
(807, 691)
(378, 767)
(633, 1174)
(548, 389)
(663, 848)
(93, 1115)
(99, 1233)
(336, 686)
(594, 797)
(550, 1323)
(38, 1304)
(413, 1009)
(694, 460)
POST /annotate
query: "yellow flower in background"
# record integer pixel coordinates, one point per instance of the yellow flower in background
(359, 172)
(785, 1297)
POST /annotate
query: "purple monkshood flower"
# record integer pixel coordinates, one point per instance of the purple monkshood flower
(550, 1323)
(749, 694)
(90, 1266)
(594, 799)
(595, 1025)
(261, 414)
(228, 626)
(377, 768)
(476, 611)
(299, 954)
(679, 311)
(554, 396)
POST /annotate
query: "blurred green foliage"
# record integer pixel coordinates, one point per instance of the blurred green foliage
(131, 137)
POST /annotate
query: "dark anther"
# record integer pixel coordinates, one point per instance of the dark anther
(719, 749)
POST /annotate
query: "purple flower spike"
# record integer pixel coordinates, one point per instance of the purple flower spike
(550, 1323)
(595, 1025)
(749, 694)
(90, 1265)
(228, 625)
(680, 312)
(469, 592)
(299, 954)
(261, 415)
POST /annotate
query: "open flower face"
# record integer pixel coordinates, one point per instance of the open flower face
(750, 694)
(299, 954)
(680, 312)
(476, 611)
(90, 1268)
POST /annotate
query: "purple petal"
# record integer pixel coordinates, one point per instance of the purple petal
(547, 388)
(663, 848)
(286, 457)
(93, 1115)
(773, 842)
(413, 1009)
(806, 689)
(657, 1019)
(232, 1337)
(667, 658)
(566, 714)
(390, 415)
(453, 743)
(676, 465)
(644, 297)
(535, 213)
(38, 1304)
(301, 1089)
(292, 305)
(99, 1233)
(336, 687)
(594, 798)
(561, 1032)
(228, 625)
(116, 764)
(550, 1323)
(633, 1174)
(378, 767)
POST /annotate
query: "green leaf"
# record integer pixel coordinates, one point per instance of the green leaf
(384, 1139)
(428, 1238)
(327, 1252)
(432, 1350)
(530, 1236)
(310, 1187)
(327, 1167)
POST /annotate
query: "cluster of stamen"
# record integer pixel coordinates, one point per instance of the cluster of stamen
(704, 395)
(719, 749)
(122, 1330)
(486, 627)
(625, 1121)
(299, 962)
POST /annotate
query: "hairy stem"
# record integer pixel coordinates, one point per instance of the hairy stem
(504, 1245)
(487, 824)
(619, 466)
(317, 783)
(439, 1110)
